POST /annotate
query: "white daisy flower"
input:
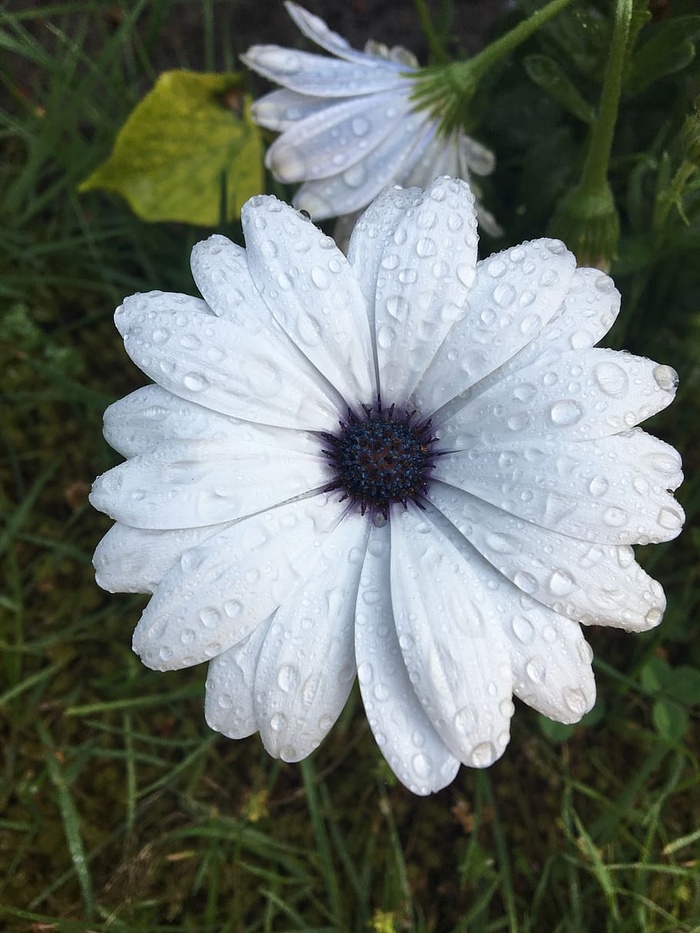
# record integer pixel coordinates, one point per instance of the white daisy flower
(349, 126)
(406, 465)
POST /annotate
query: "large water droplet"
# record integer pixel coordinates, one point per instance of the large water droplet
(536, 669)
(566, 412)
(483, 755)
(612, 379)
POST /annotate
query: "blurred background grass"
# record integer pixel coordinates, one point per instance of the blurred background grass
(119, 809)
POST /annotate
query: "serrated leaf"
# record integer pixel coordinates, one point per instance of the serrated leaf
(546, 73)
(671, 48)
(188, 149)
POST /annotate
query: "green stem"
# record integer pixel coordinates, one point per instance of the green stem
(495, 51)
(434, 44)
(594, 177)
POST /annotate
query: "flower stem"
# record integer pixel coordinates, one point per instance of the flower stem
(595, 169)
(495, 51)
(435, 45)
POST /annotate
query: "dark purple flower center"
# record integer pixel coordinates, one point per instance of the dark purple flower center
(381, 457)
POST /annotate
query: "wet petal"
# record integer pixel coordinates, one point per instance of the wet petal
(229, 706)
(458, 665)
(189, 483)
(222, 365)
(594, 584)
(582, 490)
(135, 560)
(577, 396)
(332, 140)
(225, 587)
(423, 283)
(415, 752)
(281, 109)
(317, 30)
(354, 189)
(306, 667)
(514, 294)
(313, 294)
(320, 76)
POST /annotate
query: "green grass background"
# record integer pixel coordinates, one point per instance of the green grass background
(119, 809)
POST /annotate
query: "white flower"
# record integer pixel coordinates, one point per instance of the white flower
(295, 531)
(349, 126)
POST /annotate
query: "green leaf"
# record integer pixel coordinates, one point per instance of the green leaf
(188, 150)
(671, 48)
(670, 720)
(546, 73)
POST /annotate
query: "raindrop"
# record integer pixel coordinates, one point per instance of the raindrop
(160, 335)
(495, 268)
(561, 583)
(525, 582)
(360, 126)
(670, 519)
(612, 379)
(598, 486)
(523, 630)
(425, 247)
(465, 721)
(355, 176)
(566, 412)
(195, 382)
(665, 377)
(233, 608)
(483, 755)
(422, 765)
(615, 517)
(504, 295)
(209, 617)
(320, 277)
(278, 721)
(653, 616)
(536, 669)
(575, 700)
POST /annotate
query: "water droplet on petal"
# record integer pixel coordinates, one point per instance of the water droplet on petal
(523, 630)
(561, 583)
(536, 669)
(566, 412)
(195, 382)
(278, 722)
(483, 755)
(612, 379)
(665, 377)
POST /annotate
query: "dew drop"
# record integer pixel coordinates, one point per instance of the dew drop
(653, 616)
(210, 617)
(278, 722)
(670, 519)
(612, 379)
(525, 582)
(195, 382)
(422, 765)
(536, 669)
(561, 583)
(575, 700)
(425, 247)
(615, 517)
(504, 295)
(465, 721)
(495, 268)
(523, 630)
(665, 377)
(598, 486)
(483, 755)
(566, 412)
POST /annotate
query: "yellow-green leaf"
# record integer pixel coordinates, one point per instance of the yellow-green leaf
(188, 144)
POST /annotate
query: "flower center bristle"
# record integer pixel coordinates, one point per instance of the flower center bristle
(381, 457)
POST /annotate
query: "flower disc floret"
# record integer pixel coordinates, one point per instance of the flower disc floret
(380, 458)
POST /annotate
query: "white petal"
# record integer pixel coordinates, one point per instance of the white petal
(319, 76)
(307, 665)
(474, 157)
(585, 315)
(222, 365)
(551, 660)
(220, 269)
(383, 166)
(594, 584)
(580, 395)
(452, 645)
(372, 235)
(585, 490)
(229, 707)
(420, 293)
(514, 294)
(415, 752)
(317, 30)
(438, 156)
(150, 415)
(313, 293)
(331, 141)
(224, 588)
(281, 109)
(188, 483)
(135, 560)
